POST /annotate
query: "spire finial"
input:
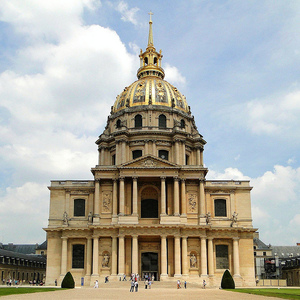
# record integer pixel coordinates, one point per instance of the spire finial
(150, 38)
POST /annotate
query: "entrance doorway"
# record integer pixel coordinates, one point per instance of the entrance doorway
(150, 265)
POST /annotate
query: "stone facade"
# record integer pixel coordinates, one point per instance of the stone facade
(149, 208)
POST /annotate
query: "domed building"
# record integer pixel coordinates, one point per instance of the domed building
(149, 209)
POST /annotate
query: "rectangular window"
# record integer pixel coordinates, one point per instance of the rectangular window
(79, 208)
(137, 154)
(78, 257)
(222, 261)
(220, 208)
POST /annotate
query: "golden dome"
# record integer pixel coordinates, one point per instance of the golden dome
(150, 88)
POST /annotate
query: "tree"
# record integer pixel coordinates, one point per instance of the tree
(227, 281)
(68, 281)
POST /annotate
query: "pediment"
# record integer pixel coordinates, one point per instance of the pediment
(149, 161)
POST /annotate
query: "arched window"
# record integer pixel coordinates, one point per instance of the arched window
(162, 121)
(146, 60)
(136, 154)
(118, 123)
(79, 208)
(155, 60)
(164, 154)
(222, 261)
(182, 124)
(138, 121)
(78, 256)
(220, 208)
(113, 159)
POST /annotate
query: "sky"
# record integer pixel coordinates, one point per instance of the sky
(62, 64)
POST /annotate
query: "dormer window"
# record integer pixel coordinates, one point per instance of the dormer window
(118, 123)
(164, 154)
(182, 124)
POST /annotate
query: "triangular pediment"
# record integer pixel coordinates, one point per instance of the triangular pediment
(149, 161)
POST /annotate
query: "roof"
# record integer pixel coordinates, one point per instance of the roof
(21, 248)
(286, 251)
(42, 246)
(260, 245)
(31, 257)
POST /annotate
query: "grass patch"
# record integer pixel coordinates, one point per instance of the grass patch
(24, 290)
(273, 292)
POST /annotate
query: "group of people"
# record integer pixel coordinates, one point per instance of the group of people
(134, 285)
(10, 282)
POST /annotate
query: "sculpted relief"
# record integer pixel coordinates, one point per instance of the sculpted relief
(192, 202)
(106, 201)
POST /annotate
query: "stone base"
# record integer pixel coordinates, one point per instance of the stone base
(168, 220)
(128, 219)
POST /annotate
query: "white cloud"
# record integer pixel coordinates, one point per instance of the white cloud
(24, 210)
(128, 15)
(275, 116)
(173, 75)
(229, 174)
(295, 221)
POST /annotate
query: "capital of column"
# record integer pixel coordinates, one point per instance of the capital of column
(235, 238)
(175, 178)
(134, 236)
(135, 178)
(64, 237)
(163, 236)
(163, 177)
(122, 178)
(97, 180)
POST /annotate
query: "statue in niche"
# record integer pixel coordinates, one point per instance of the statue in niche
(193, 261)
(90, 217)
(105, 260)
(208, 218)
(234, 218)
(65, 219)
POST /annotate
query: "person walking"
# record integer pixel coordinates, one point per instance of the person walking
(185, 284)
(96, 284)
(136, 285)
(132, 286)
(204, 284)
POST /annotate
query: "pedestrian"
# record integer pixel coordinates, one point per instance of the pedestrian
(185, 284)
(136, 285)
(124, 277)
(204, 284)
(132, 286)
(55, 282)
(178, 284)
(146, 283)
(96, 284)
(149, 283)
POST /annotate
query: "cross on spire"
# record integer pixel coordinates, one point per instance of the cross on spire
(150, 13)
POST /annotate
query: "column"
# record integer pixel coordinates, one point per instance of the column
(97, 201)
(210, 252)
(101, 156)
(201, 158)
(198, 157)
(183, 198)
(163, 195)
(176, 197)
(202, 202)
(123, 151)
(135, 254)
(236, 257)
(203, 257)
(163, 251)
(177, 152)
(64, 254)
(146, 147)
(177, 256)
(96, 256)
(118, 153)
(154, 150)
(121, 255)
(122, 196)
(115, 197)
(114, 255)
(183, 153)
(88, 256)
(134, 197)
(184, 256)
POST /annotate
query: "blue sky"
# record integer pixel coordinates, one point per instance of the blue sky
(62, 64)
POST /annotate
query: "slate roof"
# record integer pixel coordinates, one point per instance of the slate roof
(30, 257)
(286, 251)
(260, 245)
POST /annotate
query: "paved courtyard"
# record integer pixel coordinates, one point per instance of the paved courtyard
(121, 291)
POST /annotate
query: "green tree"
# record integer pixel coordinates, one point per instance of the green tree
(227, 281)
(68, 281)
